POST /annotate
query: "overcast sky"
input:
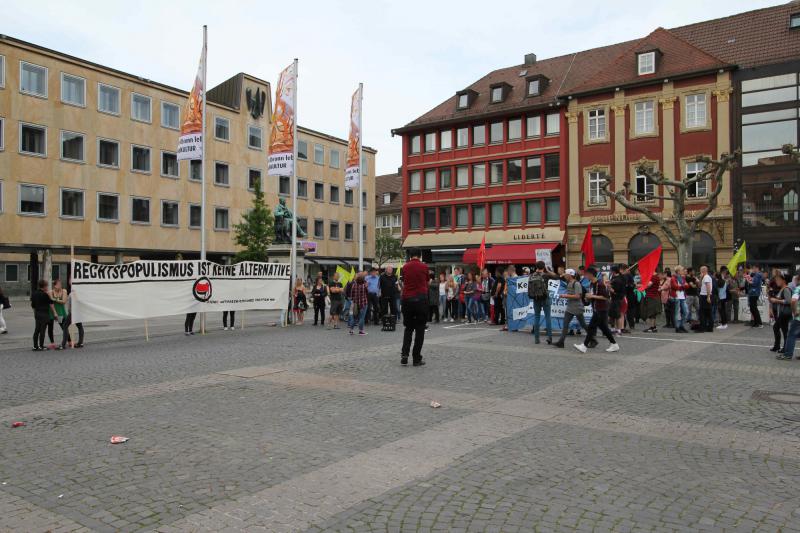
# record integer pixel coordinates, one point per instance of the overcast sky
(410, 54)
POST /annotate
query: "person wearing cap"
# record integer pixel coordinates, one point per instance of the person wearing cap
(574, 297)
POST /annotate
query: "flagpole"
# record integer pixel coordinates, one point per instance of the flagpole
(202, 172)
(293, 252)
(360, 178)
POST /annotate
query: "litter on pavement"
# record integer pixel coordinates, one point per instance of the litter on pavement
(17, 424)
(435, 405)
(117, 439)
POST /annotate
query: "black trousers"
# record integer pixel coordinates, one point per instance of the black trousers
(388, 305)
(752, 302)
(706, 320)
(374, 309)
(415, 316)
(781, 325)
(499, 310)
(39, 330)
(433, 310)
(566, 325)
(188, 324)
(66, 338)
(599, 321)
(225, 315)
(319, 312)
(722, 309)
(50, 322)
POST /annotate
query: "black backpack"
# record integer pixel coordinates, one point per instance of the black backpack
(537, 287)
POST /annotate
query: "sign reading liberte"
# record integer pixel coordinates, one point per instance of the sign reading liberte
(148, 289)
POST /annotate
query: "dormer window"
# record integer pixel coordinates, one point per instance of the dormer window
(794, 20)
(647, 63)
(387, 198)
(497, 94)
(535, 85)
(465, 98)
(463, 101)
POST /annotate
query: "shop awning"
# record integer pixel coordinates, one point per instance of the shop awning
(509, 254)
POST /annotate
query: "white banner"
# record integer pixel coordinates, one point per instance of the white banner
(352, 173)
(281, 140)
(190, 143)
(148, 289)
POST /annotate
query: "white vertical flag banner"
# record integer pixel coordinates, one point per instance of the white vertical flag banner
(281, 138)
(190, 143)
(352, 173)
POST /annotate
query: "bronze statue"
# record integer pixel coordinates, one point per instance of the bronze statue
(283, 224)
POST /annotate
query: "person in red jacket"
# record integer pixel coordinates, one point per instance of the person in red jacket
(415, 308)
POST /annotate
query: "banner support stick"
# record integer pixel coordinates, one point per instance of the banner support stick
(146, 331)
(360, 178)
(244, 317)
(293, 252)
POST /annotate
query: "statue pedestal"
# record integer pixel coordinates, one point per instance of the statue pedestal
(280, 253)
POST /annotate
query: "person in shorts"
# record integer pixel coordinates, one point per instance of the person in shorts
(336, 292)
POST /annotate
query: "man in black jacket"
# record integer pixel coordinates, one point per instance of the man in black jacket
(388, 287)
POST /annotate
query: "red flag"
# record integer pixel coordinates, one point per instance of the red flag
(588, 248)
(647, 266)
(482, 253)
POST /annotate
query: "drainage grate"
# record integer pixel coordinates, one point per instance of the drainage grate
(776, 397)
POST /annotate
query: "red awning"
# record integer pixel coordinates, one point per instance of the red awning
(509, 254)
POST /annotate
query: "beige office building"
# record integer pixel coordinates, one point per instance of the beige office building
(87, 159)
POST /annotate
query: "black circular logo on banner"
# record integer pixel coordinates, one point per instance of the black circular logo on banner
(201, 290)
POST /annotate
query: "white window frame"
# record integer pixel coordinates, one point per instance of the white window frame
(321, 147)
(646, 63)
(338, 158)
(649, 189)
(161, 218)
(462, 101)
(538, 84)
(97, 205)
(61, 146)
(218, 184)
(149, 210)
(19, 200)
(46, 80)
(189, 212)
(396, 221)
(595, 180)
(387, 198)
(418, 175)
(149, 159)
(647, 122)
(446, 137)
(149, 106)
(167, 126)
(596, 126)
(19, 142)
(537, 119)
(466, 141)
(62, 89)
(119, 148)
(161, 165)
(416, 139)
(431, 135)
(218, 118)
(696, 106)
(251, 127)
(697, 167)
(228, 211)
(557, 117)
(61, 203)
(2, 71)
(497, 95)
(119, 99)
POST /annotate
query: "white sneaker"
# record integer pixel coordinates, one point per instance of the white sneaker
(722, 326)
(613, 348)
(580, 347)
(225, 328)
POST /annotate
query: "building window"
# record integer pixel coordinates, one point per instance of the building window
(140, 158)
(334, 157)
(334, 192)
(515, 129)
(284, 186)
(644, 189)
(462, 177)
(496, 214)
(597, 124)
(32, 79)
(794, 20)
(496, 132)
(169, 165)
(2, 134)
(348, 197)
(462, 216)
(496, 172)
(170, 115)
(319, 154)
(514, 213)
(414, 221)
(514, 170)
(195, 216)
(647, 63)
(533, 87)
(196, 170)
(552, 170)
(533, 126)
(446, 140)
(364, 200)
(32, 139)
(429, 215)
(302, 150)
(72, 146)
(533, 170)
(254, 137)
(2, 71)
(479, 216)
(333, 231)
(302, 222)
(552, 210)
(319, 192)
(348, 231)
(416, 146)
(108, 153)
(790, 212)
(430, 142)
(364, 166)
(414, 181)
(222, 129)
(302, 188)
(596, 196)
(221, 176)
(478, 135)
(553, 124)
(463, 101)
(698, 189)
(107, 207)
(445, 217)
(430, 180)
(169, 213)
(253, 179)
(479, 175)
(221, 219)
(645, 117)
(497, 94)
(444, 179)
(31, 200)
(533, 212)
(71, 203)
(141, 108)
(73, 90)
(108, 98)
(462, 137)
(396, 221)
(387, 198)
(140, 210)
(319, 229)
(12, 273)
(695, 110)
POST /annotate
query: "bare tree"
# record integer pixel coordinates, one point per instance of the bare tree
(681, 226)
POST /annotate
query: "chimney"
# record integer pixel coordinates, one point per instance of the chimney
(530, 59)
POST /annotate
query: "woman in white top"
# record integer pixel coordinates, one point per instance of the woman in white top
(443, 296)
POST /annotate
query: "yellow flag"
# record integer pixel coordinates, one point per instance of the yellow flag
(399, 269)
(344, 275)
(352, 274)
(739, 257)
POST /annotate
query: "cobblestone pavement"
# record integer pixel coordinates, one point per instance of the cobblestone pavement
(307, 429)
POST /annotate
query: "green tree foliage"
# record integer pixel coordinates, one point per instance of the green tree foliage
(256, 231)
(387, 247)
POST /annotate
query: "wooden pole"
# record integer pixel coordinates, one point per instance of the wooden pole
(244, 317)
(146, 331)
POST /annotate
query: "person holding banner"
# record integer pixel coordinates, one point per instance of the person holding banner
(188, 324)
(599, 296)
(540, 295)
(574, 296)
